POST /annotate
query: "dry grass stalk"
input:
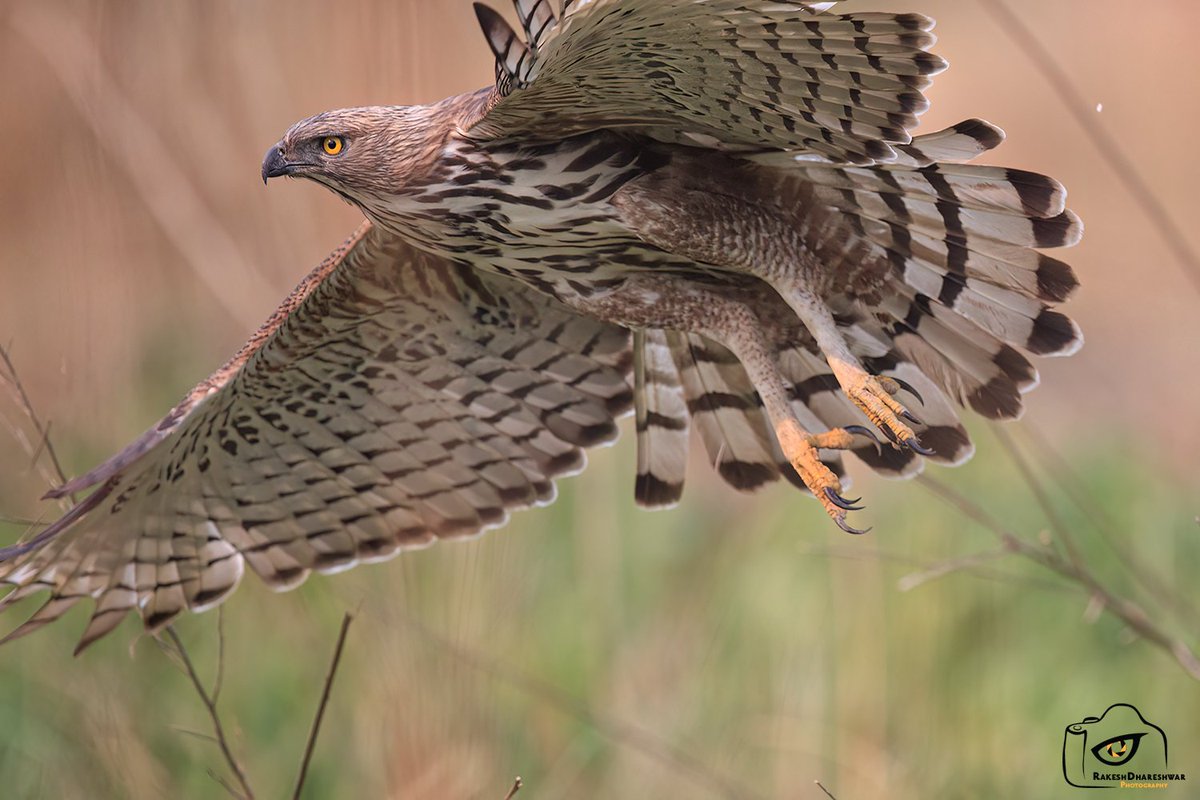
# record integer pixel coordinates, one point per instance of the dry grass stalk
(209, 699)
(316, 725)
(1071, 567)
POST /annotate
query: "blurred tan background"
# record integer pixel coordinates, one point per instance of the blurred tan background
(138, 248)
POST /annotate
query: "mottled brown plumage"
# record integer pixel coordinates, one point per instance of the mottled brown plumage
(735, 181)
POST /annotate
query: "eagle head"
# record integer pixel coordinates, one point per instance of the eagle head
(356, 152)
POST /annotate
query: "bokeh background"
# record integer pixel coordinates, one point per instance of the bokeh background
(736, 647)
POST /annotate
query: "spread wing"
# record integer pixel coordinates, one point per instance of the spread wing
(393, 400)
(737, 74)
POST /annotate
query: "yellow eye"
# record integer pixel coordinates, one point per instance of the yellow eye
(332, 145)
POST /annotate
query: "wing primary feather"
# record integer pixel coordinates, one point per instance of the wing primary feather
(537, 18)
(511, 53)
(737, 76)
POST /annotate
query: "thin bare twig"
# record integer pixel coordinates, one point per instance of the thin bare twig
(1148, 629)
(1010, 540)
(516, 787)
(16, 388)
(316, 726)
(43, 443)
(232, 792)
(210, 705)
(1123, 609)
(974, 564)
(196, 734)
(1068, 479)
(1113, 152)
(22, 521)
(828, 793)
(219, 681)
(1056, 523)
(970, 562)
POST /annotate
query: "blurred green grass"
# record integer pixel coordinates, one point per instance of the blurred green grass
(746, 633)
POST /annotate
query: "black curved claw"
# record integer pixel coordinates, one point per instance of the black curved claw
(888, 433)
(859, 430)
(841, 502)
(908, 416)
(908, 387)
(841, 523)
(915, 445)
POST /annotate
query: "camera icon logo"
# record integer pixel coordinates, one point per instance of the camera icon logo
(1117, 748)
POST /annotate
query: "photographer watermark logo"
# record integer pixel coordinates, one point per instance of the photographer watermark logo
(1119, 749)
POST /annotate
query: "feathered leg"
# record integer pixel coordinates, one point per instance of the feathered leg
(872, 394)
(755, 238)
(651, 302)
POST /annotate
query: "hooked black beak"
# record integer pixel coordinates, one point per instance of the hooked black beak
(275, 165)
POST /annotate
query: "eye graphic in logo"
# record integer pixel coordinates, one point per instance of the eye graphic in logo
(1099, 751)
(1118, 750)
